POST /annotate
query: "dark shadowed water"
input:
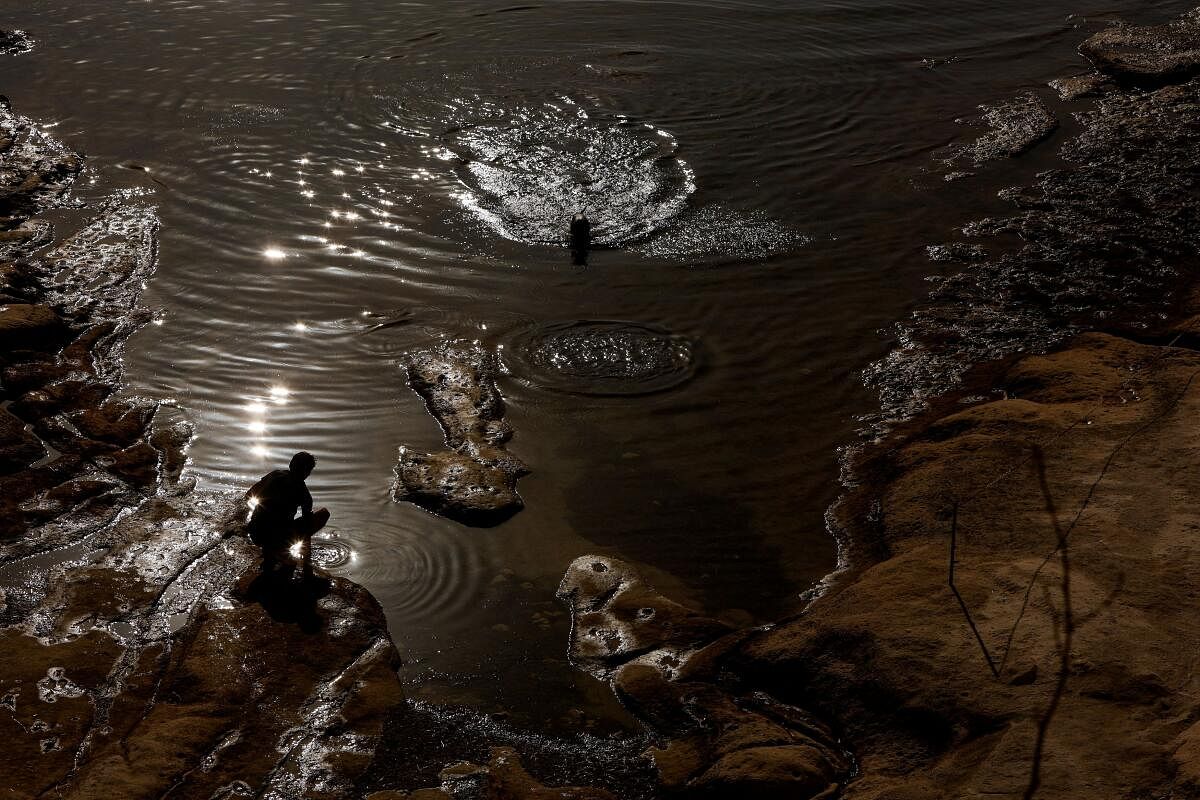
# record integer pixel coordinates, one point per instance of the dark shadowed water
(341, 182)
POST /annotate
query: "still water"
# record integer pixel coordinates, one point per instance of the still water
(342, 182)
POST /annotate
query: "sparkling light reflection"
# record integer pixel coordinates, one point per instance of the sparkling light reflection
(274, 253)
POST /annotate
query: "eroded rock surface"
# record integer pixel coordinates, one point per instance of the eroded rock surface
(722, 736)
(1148, 55)
(475, 480)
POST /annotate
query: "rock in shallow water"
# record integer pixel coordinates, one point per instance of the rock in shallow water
(474, 482)
(1154, 54)
(14, 42)
(1014, 127)
(721, 736)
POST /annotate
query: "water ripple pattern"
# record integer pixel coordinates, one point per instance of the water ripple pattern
(527, 171)
(600, 357)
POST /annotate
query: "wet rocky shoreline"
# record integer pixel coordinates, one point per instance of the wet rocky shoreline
(142, 659)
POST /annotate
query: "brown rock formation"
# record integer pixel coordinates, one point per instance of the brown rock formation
(722, 736)
(1075, 538)
(475, 481)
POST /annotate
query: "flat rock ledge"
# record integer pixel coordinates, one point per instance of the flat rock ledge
(474, 481)
(1151, 55)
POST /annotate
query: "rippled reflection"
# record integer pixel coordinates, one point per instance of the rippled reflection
(526, 171)
(600, 357)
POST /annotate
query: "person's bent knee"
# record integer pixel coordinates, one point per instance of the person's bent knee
(320, 517)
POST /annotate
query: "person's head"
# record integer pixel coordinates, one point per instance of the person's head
(302, 464)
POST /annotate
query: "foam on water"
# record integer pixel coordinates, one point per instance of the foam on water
(525, 172)
(600, 357)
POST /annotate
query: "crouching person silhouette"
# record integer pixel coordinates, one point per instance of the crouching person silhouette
(274, 525)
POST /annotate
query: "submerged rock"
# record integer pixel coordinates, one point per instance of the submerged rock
(1153, 54)
(1102, 241)
(1014, 127)
(474, 482)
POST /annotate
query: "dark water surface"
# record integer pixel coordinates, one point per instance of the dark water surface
(340, 182)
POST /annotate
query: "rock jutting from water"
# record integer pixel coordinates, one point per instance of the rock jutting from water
(1076, 87)
(722, 736)
(1151, 55)
(475, 480)
(14, 42)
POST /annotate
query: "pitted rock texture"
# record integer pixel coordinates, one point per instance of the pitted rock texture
(176, 685)
(721, 735)
(1148, 55)
(475, 480)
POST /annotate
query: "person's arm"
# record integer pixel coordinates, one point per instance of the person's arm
(305, 503)
(254, 491)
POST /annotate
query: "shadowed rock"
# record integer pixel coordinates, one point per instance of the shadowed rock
(722, 738)
(474, 482)
(1014, 127)
(1089, 84)
(616, 617)
(1155, 54)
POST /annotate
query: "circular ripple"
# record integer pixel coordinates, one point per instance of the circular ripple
(328, 553)
(527, 173)
(601, 357)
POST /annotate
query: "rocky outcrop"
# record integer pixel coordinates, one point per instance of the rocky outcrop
(130, 663)
(475, 480)
(1151, 55)
(1074, 540)
(722, 736)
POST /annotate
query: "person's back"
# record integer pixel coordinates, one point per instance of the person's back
(276, 498)
(273, 524)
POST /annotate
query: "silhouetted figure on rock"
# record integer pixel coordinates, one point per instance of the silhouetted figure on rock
(273, 523)
(580, 237)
